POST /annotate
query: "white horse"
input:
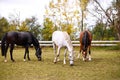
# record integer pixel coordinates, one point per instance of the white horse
(61, 39)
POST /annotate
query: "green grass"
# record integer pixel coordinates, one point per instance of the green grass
(105, 65)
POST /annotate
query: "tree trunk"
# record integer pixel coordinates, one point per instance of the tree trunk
(118, 29)
(82, 21)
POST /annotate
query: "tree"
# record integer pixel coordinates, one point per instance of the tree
(83, 5)
(23, 27)
(14, 21)
(4, 25)
(12, 27)
(48, 29)
(100, 32)
(109, 16)
(30, 24)
(116, 5)
(33, 26)
(64, 14)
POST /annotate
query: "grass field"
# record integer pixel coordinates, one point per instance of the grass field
(105, 65)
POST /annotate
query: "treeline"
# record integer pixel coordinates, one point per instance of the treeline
(45, 32)
(30, 24)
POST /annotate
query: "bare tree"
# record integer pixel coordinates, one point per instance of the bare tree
(109, 16)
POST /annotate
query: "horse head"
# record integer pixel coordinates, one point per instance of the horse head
(84, 53)
(38, 54)
(37, 47)
(71, 57)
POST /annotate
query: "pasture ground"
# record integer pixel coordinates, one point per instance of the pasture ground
(105, 65)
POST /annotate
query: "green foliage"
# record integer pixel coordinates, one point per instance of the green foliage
(84, 4)
(67, 28)
(48, 29)
(63, 14)
(12, 28)
(30, 24)
(4, 25)
(113, 47)
(23, 27)
(33, 26)
(98, 31)
(101, 32)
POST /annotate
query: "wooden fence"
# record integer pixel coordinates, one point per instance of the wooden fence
(76, 43)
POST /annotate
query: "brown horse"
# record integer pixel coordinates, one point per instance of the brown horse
(85, 44)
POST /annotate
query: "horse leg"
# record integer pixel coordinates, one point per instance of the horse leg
(65, 56)
(83, 54)
(6, 48)
(54, 47)
(25, 56)
(26, 52)
(57, 55)
(79, 52)
(89, 58)
(11, 51)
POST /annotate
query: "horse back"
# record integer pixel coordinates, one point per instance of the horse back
(19, 38)
(62, 39)
(88, 38)
(11, 37)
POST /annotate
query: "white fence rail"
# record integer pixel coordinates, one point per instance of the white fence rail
(76, 43)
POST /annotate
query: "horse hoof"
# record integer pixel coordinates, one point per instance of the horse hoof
(89, 59)
(71, 64)
(39, 59)
(5, 61)
(24, 60)
(55, 62)
(58, 60)
(64, 63)
(13, 60)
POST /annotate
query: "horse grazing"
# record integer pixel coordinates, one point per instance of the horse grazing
(24, 39)
(85, 44)
(61, 39)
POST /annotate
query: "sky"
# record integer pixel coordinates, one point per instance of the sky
(28, 8)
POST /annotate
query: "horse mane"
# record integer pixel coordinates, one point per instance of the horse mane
(34, 40)
(67, 38)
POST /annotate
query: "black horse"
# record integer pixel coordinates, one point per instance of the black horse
(24, 39)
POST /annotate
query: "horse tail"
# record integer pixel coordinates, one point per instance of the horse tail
(3, 44)
(85, 39)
